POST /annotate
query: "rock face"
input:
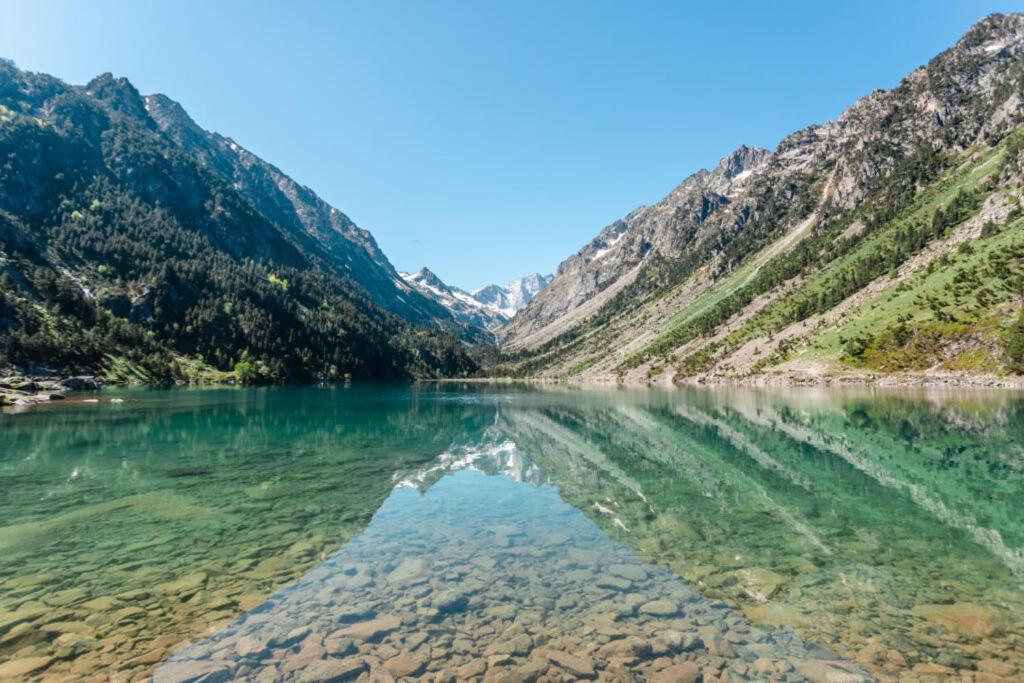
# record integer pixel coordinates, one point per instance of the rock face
(646, 233)
(705, 280)
(21, 390)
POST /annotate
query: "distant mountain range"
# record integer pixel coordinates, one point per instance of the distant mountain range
(514, 296)
(489, 307)
(889, 240)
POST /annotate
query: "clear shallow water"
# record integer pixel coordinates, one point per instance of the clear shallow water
(458, 530)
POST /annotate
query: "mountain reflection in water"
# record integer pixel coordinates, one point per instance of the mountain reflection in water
(460, 530)
(484, 574)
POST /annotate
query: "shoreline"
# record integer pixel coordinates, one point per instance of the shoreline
(863, 379)
(19, 390)
(781, 380)
(29, 390)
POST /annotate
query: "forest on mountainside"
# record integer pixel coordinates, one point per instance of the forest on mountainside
(121, 255)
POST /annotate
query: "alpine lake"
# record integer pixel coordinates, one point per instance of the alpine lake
(501, 532)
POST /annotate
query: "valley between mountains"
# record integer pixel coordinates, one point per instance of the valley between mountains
(888, 243)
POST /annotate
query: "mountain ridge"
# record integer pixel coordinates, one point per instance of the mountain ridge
(700, 287)
(153, 255)
(621, 246)
(352, 249)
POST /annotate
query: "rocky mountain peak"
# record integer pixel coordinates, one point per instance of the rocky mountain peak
(427, 277)
(489, 294)
(168, 114)
(995, 27)
(741, 160)
(118, 94)
(486, 309)
(533, 282)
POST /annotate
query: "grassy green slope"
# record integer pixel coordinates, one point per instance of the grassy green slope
(989, 266)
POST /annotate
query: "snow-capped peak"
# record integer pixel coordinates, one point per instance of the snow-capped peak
(489, 307)
(515, 295)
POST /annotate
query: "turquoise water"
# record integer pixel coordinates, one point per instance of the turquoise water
(468, 531)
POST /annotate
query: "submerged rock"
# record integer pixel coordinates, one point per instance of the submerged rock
(659, 608)
(405, 664)
(69, 645)
(410, 571)
(759, 584)
(194, 671)
(980, 621)
(19, 668)
(450, 601)
(632, 572)
(368, 631)
(687, 672)
(574, 664)
(332, 670)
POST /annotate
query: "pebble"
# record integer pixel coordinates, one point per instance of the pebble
(332, 670)
(404, 664)
(371, 630)
(659, 608)
(14, 669)
(574, 664)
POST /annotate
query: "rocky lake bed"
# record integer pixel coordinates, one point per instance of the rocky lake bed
(513, 534)
(492, 580)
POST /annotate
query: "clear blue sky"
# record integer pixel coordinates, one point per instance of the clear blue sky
(491, 139)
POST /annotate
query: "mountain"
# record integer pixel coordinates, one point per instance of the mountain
(514, 296)
(611, 260)
(134, 243)
(888, 240)
(460, 304)
(488, 308)
(296, 208)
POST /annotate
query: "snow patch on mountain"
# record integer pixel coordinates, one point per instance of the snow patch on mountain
(489, 307)
(514, 296)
